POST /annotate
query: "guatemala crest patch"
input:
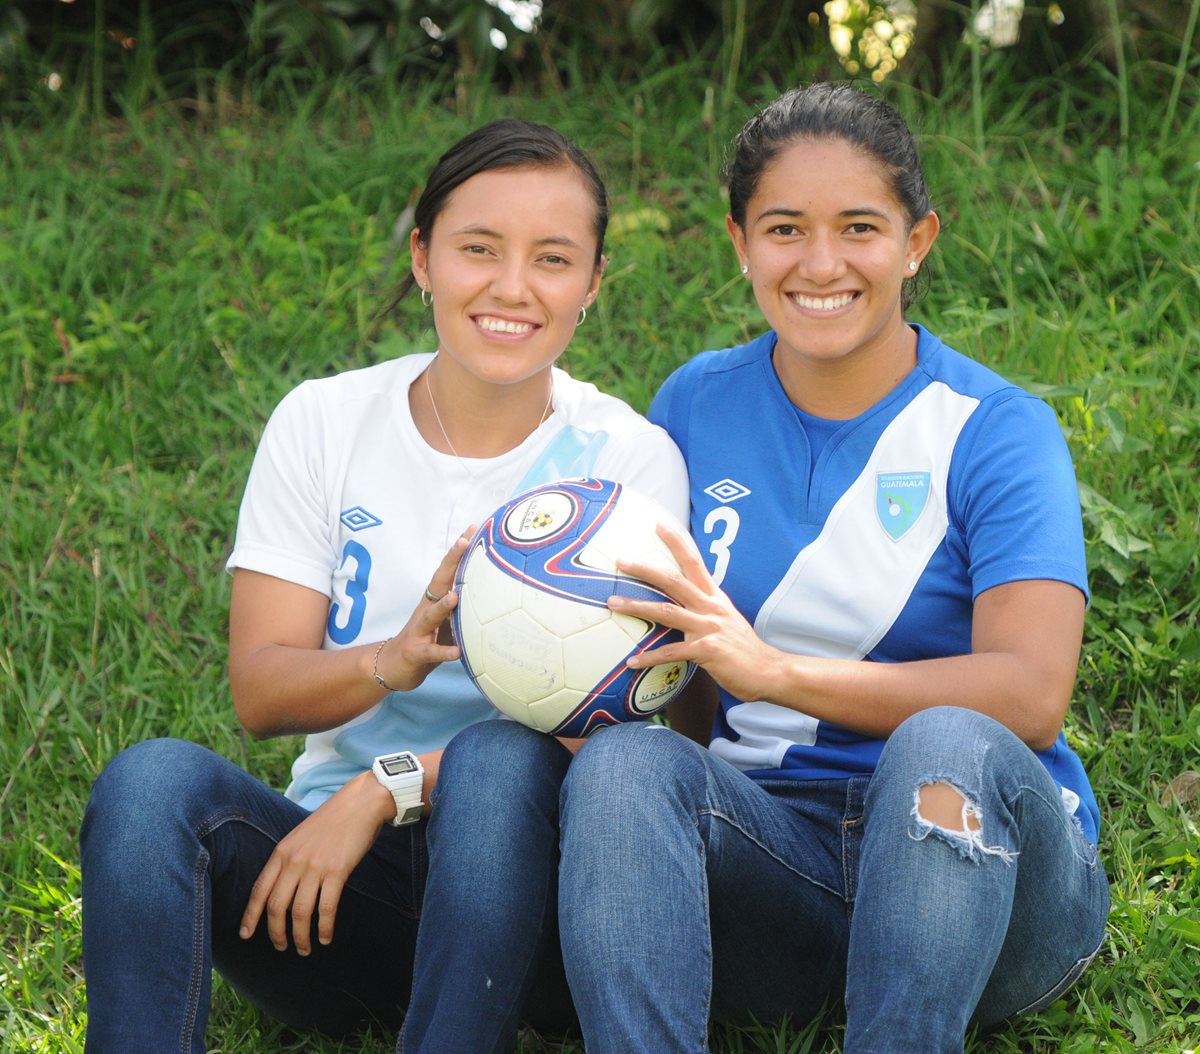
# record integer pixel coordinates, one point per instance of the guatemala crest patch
(900, 498)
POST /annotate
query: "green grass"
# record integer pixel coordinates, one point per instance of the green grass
(167, 275)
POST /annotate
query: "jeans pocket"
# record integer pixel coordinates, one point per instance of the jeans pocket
(852, 836)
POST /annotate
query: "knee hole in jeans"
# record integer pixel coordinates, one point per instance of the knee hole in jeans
(941, 809)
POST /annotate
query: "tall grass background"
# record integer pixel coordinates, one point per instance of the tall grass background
(167, 273)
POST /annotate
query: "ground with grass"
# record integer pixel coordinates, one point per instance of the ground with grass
(167, 274)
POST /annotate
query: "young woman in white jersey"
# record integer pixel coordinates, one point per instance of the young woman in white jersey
(307, 902)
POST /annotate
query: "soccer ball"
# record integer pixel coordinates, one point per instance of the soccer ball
(531, 621)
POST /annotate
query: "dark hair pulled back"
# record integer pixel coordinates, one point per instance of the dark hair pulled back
(830, 111)
(504, 144)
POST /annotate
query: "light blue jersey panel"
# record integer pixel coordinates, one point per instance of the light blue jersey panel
(873, 543)
(448, 703)
(571, 453)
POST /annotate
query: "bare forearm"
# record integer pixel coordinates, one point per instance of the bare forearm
(285, 682)
(874, 698)
(280, 690)
(1020, 670)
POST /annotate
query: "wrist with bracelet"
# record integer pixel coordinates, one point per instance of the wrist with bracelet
(375, 668)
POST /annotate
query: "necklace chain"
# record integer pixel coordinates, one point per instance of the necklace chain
(457, 456)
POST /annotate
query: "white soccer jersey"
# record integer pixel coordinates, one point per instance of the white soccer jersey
(346, 498)
(870, 538)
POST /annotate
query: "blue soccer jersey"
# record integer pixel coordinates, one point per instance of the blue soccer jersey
(869, 538)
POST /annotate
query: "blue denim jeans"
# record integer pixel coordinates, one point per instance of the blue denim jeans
(172, 841)
(689, 892)
(487, 950)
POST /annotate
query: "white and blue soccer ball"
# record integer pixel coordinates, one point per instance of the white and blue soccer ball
(532, 623)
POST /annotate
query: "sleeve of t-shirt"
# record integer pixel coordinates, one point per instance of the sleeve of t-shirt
(649, 462)
(1014, 493)
(284, 527)
(665, 412)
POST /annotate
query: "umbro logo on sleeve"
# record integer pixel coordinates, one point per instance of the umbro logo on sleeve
(358, 519)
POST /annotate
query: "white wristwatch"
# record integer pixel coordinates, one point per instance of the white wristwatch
(401, 774)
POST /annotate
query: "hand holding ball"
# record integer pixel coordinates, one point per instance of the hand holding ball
(532, 620)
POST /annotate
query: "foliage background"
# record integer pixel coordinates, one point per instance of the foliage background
(190, 225)
(129, 51)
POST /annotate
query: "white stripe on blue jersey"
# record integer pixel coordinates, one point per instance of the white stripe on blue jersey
(875, 549)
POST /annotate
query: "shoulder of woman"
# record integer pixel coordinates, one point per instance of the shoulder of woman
(382, 380)
(586, 407)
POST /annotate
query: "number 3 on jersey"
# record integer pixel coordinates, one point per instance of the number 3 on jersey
(356, 593)
(728, 521)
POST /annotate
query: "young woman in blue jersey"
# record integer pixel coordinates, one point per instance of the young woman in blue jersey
(350, 529)
(887, 590)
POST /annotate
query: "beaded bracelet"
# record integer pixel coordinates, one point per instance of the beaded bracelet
(375, 668)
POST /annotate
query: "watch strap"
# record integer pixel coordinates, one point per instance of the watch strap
(407, 814)
(408, 807)
(403, 783)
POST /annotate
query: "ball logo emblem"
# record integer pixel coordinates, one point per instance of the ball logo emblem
(540, 517)
(657, 686)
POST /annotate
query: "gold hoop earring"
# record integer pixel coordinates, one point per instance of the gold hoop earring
(426, 297)
(582, 317)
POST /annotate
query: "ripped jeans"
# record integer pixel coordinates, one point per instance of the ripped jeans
(690, 892)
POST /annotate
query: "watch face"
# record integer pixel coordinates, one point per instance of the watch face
(398, 764)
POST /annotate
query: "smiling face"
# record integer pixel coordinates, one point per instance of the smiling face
(510, 261)
(827, 245)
